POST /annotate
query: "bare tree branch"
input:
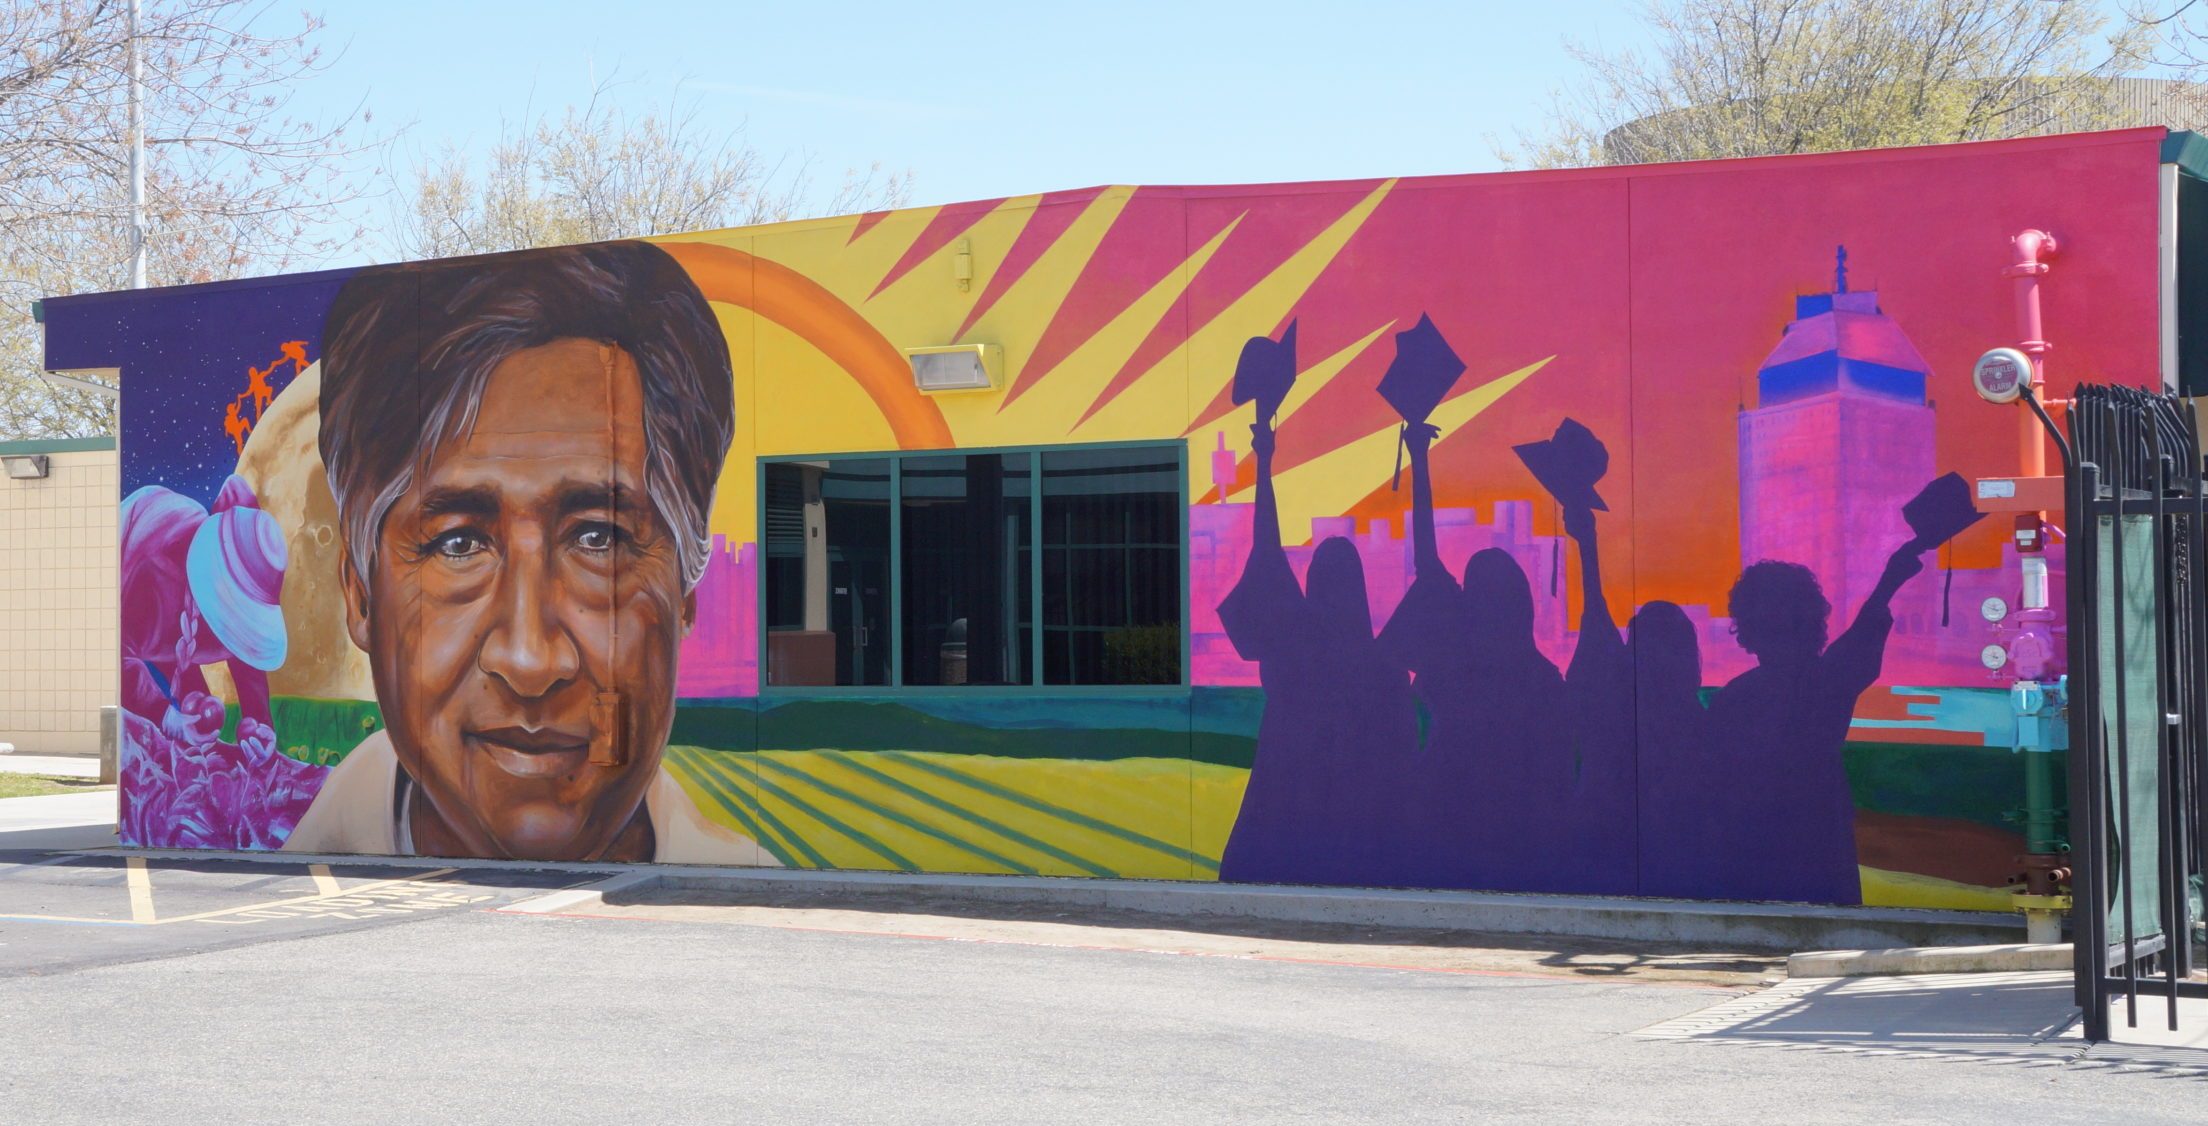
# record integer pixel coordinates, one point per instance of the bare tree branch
(1726, 78)
(599, 171)
(236, 181)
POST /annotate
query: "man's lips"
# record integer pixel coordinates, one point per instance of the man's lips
(534, 751)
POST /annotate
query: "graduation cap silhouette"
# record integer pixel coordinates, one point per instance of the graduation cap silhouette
(1937, 514)
(1568, 464)
(1423, 371)
(1266, 371)
(1941, 511)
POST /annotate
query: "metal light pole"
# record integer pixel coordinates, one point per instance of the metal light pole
(137, 158)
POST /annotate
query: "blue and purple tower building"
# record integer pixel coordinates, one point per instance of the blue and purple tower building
(1840, 438)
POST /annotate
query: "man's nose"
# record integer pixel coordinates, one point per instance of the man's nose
(529, 646)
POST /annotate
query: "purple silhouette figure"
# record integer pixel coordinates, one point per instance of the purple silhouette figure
(1324, 798)
(1670, 736)
(1494, 773)
(1777, 731)
(1597, 849)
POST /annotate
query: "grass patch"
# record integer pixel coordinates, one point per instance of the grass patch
(317, 732)
(39, 785)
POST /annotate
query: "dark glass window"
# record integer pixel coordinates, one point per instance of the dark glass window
(1112, 566)
(965, 541)
(970, 535)
(826, 527)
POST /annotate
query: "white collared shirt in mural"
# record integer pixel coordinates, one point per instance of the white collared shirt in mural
(355, 813)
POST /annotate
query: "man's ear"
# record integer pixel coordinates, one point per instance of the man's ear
(356, 601)
(689, 611)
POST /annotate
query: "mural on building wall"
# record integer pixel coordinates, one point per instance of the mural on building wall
(1528, 547)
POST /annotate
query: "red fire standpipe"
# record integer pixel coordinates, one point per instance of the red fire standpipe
(2032, 249)
(2036, 685)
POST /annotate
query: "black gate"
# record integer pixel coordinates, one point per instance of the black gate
(2138, 647)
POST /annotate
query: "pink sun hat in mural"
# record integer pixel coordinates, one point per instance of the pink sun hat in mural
(236, 569)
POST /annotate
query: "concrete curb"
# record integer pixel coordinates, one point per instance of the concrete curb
(1689, 923)
(2016, 958)
(1748, 926)
(583, 898)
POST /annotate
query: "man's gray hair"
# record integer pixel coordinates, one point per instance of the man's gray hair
(408, 350)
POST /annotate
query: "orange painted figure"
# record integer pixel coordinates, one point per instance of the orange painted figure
(256, 386)
(235, 424)
(296, 352)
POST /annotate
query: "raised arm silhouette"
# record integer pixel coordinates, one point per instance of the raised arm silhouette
(1325, 792)
(1777, 731)
(1590, 843)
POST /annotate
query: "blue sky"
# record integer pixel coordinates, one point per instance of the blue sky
(980, 100)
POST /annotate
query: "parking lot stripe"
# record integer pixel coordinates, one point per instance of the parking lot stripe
(430, 876)
(324, 882)
(141, 890)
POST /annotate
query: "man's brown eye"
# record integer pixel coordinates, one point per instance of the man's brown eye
(457, 545)
(596, 537)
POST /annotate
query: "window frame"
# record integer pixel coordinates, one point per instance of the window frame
(896, 685)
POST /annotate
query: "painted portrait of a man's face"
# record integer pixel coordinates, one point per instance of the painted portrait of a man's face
(522, 511)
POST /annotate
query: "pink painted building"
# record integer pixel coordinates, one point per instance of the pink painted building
(724, 661)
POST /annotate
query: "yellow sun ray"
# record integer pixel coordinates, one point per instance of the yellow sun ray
(1208, 354)
(1004, 221)
(1333, 482)
(1061, 396)
(1021, 313)
(1235, 424)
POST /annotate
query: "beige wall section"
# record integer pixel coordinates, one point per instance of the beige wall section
(58, 663)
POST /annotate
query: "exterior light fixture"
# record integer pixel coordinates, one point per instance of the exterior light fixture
(26, 467)
(955, 367)
(60, 381)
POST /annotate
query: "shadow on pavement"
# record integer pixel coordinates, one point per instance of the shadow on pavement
(2004, 1018)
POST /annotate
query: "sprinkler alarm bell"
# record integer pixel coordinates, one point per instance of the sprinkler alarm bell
(2001, 375)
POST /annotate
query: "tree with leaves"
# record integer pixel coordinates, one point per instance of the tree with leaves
(601, 171)
(1726, 78)
(235, 181)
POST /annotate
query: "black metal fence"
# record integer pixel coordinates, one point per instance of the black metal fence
(2138, 649)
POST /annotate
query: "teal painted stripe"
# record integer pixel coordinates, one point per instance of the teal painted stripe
(56, 445)
(699, 769)
(989, 824)
(880, 810)
(1062, 813)
(811, 855)
(863, 840)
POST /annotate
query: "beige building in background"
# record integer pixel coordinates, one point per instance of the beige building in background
(58, 642)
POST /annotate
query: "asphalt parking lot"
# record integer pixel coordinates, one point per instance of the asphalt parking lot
(180, 988)
(63, 910)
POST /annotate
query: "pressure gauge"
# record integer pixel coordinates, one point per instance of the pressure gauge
(1993, 656)
(1993, 609)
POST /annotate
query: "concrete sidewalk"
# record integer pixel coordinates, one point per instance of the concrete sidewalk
(58, 821)
(1682, 923)
(2015, 1018)
(54, 766)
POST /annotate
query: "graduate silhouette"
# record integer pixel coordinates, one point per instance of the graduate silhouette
(1496, 771)
(1777, 732)
(1325, 793)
